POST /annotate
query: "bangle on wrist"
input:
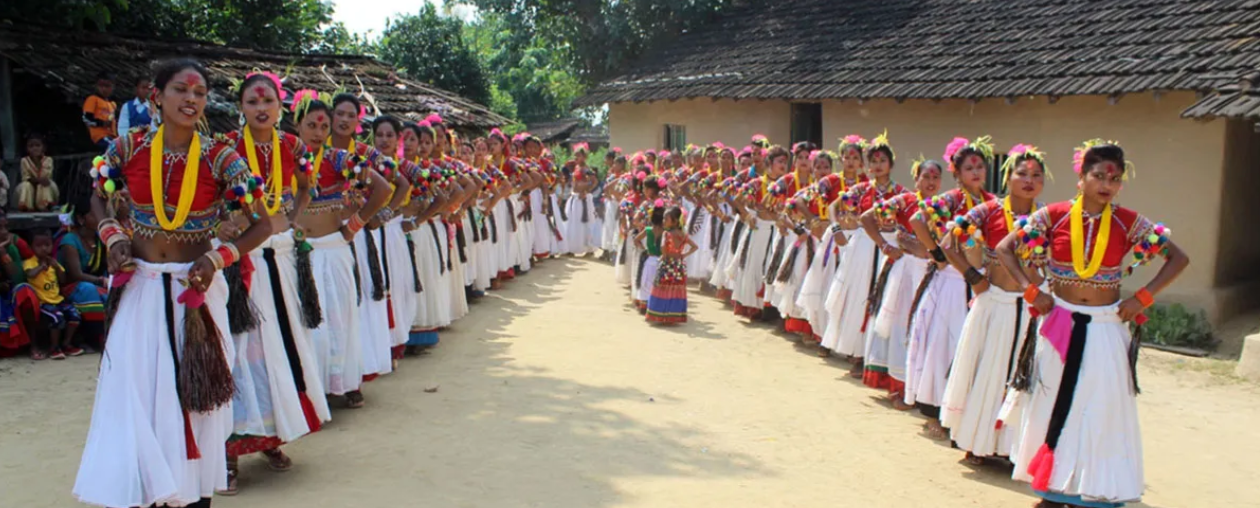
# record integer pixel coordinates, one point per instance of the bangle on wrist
(973, 276)
(355, 223)
(938, 255)
(215, 258)
(1031, 293)
(1145, 297)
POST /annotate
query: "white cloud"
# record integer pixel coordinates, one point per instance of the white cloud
(361, 16)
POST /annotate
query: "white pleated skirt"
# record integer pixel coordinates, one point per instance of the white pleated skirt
(624, 265)
(846, 299)
(892, 322)
(432, 305)
(524, 235)
(769, 292)
(610, 230)
(934, 337)
(875, 346)
(818, 280)
(727, 244)
(700, 262)
(789, 291)
(136, 454)
(1099, 454)
(486, 266)
(582, 236)
(544, 238)
(988, 351)
(470, 268)
(266, 402)
(373, 315)
(338, 340)
(455, 277)
(402, 281)
(504, 245)
(648, 277)
(748, 277)
(560, 245)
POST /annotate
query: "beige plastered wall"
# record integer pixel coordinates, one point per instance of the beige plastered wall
(1180, 178)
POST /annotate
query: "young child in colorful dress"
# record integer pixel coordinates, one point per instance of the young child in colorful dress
(36, 192)
(46, 275)
(649, 242)
(667, 302)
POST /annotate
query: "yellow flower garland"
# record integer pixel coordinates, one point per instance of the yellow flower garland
(275, 179)
(1078, 240)
(187, 188)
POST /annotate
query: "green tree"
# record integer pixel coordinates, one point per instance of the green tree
(600, 38)
(430, 48)
(539, 78)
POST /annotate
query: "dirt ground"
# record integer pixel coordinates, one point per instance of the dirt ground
(554, 393)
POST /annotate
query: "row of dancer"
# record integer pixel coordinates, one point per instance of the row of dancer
(261, 277)
(1000, 318)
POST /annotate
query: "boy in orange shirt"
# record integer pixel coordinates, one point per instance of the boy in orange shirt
(99, 113)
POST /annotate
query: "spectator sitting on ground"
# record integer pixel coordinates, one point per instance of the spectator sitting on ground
(99, 112)
(19, 305)
(47, 275)
(86, 284)
(37, 192)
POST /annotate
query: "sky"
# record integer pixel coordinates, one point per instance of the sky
(361, 16)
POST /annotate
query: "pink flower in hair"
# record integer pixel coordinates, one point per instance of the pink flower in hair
(953, 148)
(358, 129)
(718, 145)
(640, 176)
(1018, 149)
(1078, 162)
(274, 79)
(853, 139)
(435, 119)
(301, 95)
(425, 124)
(616, 150)
(659, 203)
(814, 155)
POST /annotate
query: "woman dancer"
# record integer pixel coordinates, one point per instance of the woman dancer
(940, 305)
(584, 226)
(275, 367)
(827, 255)
(857, 275)
(336, 173)
(433, 309)
(748, 265)
(160, 419)
(614, 192)
(906, 263)
(806, 229)
(994, 330)
(396, 258)
(1080, 444)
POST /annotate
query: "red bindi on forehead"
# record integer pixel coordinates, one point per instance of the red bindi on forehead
(260, 91)
(192, 79)
(320, 117)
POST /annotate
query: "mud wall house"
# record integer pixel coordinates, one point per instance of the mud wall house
(45, 74)
(1164, 78)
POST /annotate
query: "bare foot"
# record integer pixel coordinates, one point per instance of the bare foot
(899, 403)
(972, 459)
(232, 472)
(857, 371)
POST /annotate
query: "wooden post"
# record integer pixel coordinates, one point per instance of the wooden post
(8, 127)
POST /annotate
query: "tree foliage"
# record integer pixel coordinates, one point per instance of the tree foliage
(539, 80)
(273, 25)
(600, 38)
(431, 48)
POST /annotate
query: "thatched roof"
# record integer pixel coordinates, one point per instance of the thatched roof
(70, 61)
(949, 49)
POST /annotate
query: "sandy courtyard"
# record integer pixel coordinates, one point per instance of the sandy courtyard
(554, 393)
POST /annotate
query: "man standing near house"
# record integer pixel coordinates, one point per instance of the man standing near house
(135, 112)
(99, 112)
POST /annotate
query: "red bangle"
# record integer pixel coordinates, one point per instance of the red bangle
(1145, 297)
(1031, 293)
(228, 253)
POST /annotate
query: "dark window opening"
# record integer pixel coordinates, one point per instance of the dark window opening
(807, 123)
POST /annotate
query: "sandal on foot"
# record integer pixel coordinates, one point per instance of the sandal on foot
(354, 400)
(277, 460)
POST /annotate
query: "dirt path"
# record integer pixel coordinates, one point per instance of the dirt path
(553, 393)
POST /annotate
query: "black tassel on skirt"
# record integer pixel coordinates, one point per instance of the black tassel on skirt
(374, 267)
(437, 245)
(918, 293)
(415, 269)
(876, 297)
(358, 279)
(242, 316)
(282, 319)
(1022, 379)
(308, 292)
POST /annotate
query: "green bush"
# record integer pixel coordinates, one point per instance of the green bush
(1175, 325)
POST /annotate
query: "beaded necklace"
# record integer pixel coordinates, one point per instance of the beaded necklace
(271, 201)
(187, 187)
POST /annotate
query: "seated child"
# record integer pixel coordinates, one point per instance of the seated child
(46, 275)
(37, 192)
